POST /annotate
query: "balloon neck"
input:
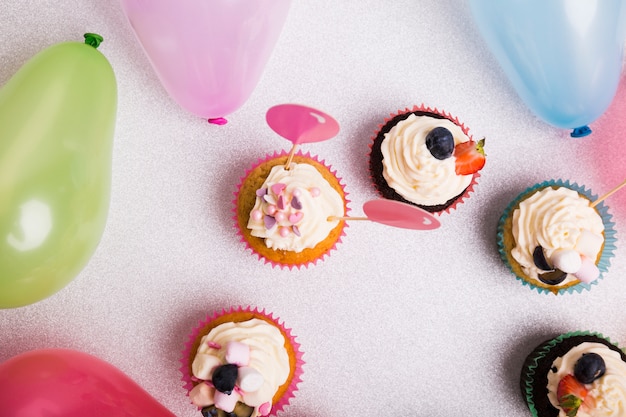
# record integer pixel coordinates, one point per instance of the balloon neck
(93, 39)
(218, 121)
(580, 132)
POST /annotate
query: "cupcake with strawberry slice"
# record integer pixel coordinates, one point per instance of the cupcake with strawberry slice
(427, 158)
(580, 374)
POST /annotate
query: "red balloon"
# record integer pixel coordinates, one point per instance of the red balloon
(67, 383)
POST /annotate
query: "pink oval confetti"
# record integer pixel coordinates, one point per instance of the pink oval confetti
(398, 214)
(301, 124)
(315, 192)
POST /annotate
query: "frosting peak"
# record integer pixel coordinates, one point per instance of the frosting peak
(292, 208)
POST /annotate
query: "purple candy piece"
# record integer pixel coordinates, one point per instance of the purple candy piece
(280, 203)
(295, 203)
(295, 230)
(269, 221)
(261, 192)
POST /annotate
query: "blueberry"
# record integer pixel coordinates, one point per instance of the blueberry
(554, 277)
(440, 143)
(589, 367)
(224, 378)
(209, 411)
(540, 259)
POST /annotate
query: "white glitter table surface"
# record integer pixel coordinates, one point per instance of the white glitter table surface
(395, 322)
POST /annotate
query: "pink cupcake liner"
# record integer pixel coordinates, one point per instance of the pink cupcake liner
(266, 260)
(284, 400)
(422, 108)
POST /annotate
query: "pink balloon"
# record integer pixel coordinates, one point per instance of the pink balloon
(209, 55)
(301, 124)
(397, 214)
(67, 383)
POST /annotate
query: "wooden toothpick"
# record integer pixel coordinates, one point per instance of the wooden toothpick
(610, 193)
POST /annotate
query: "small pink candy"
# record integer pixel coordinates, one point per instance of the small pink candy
(295, 217)
(315, 192)
(256, 215)
(265, 408)
(271, 209)
(295, 230)
(588, 272)
(283, 231)
(280, 216)
(237, 353)
(226, 402)
(296, 192)
(280, 203)
(213, 345)
(278, 188)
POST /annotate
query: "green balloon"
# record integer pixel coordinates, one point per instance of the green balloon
(57, 119)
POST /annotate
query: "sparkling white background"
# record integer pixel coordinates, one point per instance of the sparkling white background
(395, 322)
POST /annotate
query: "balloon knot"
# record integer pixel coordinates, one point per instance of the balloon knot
(218, 121)
(93, 39)
(580, 132)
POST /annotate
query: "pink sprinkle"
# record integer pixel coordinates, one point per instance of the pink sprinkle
(295, 217)
(278, 187)
(295, 230)
(261, 192)
(296, 192)
(295, 203)
(269, 222)
(256, 215)
(213, 345)
(284, 232)
(265, 408)
(280, 203)
(280, 216)
(271, 209)
(315, 192)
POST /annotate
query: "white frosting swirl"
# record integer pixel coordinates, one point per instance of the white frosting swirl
(318, 201)
(268, 356)
(553, 219)
(608, 391)
(412, 171)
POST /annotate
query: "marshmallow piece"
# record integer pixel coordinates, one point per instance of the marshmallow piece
(588, 272)
(567, 260)
(201, 395)
(203, 365)
(226, 402)
(589, 244)
(237, 353)
(249, 379)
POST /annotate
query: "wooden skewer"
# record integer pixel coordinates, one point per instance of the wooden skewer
(333, 218)
(290, 157)
(610, 193)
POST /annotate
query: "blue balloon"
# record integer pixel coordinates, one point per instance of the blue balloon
(563, 57)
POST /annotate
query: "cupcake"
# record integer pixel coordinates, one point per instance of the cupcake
(554, 239)
(578, 374)
(290, 215)
(426, 158)
(242, 363)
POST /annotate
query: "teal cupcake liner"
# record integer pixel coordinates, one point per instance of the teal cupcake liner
(610, 237)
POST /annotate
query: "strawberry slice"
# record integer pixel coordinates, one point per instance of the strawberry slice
(571, 394)
(469, 157)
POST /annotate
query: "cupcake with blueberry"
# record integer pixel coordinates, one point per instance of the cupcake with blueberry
(426, 158)
(289, 212)
(241, 363)
(555, 238)
(580, 374)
